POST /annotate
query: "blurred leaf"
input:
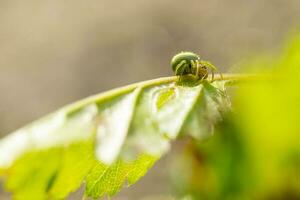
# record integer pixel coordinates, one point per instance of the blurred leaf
(255, 154)
(107, 139)
(269, 121)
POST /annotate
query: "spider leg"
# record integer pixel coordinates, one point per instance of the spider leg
(197, 68)
(208, 64)
(212, 75)
(180, 77)
(202, 78)
(179, 66)
(194, 66)
(213, 68)
(181, 74)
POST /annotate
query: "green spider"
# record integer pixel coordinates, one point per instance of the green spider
(185, 63)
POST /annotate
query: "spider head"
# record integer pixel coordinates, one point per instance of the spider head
(184, 63)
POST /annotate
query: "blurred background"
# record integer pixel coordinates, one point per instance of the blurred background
(55, 52)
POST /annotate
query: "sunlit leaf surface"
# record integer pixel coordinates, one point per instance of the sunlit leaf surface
(107, 140)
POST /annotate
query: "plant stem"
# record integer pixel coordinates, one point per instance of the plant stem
(164, 80)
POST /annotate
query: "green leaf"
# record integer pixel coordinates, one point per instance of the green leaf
(32, 174)
(107, 139)
(152, 127)
(76, 163)
(114, 121)
(140, 167)
(104, 179)
(206, 111)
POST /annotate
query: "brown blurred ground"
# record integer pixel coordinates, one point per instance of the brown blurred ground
(55, 52)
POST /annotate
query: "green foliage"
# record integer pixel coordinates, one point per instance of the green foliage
(255, 154)
(104, 179)
(108, 139)
(75, 164)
